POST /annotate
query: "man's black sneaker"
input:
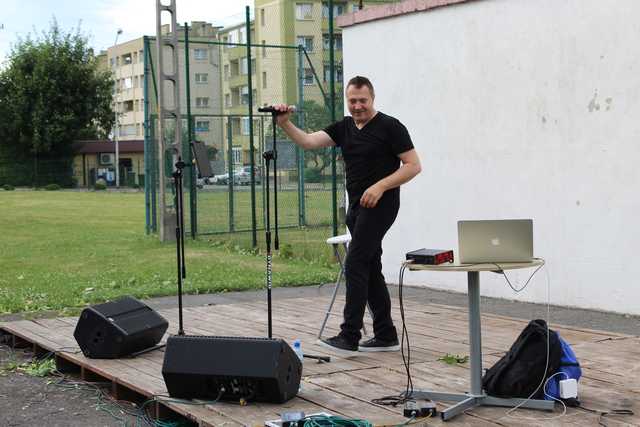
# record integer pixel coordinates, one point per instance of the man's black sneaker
(374, 344)
(339, 345)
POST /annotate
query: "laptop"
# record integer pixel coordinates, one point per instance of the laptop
(508, 240)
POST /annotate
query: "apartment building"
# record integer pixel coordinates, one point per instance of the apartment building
(295, 23)
(235, 90)
(126, 61)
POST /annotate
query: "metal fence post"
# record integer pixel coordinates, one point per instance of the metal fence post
(193, 202)
(254, 239)
(299, 151)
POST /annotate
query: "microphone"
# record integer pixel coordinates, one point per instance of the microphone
(272, 110)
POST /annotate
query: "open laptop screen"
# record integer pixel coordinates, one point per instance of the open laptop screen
(508, 240)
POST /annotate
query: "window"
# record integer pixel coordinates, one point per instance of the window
(135, 57)
(135, 81)
(137, 128)
(262, 17)
(126, 59)
(200, 54)
(338, 73)
(141, 55)
(237, 155)
(128, 106)
(244, 66)
(253, 67)
(308, 77)
(264, 80)
(127, 82)
(202, 102)
(244, 128)
(226, 71)
(202, 77)
(304, 11)
(112, 61)
(306, 42)
(136, 106)
(202, 125)
(244, 95)
(264, 49)
(227, 100)
(338, 9)
(127, 130)
(337, 41)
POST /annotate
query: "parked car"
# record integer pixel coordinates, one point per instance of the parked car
(244, 175)
(241, 176)
(201, 182)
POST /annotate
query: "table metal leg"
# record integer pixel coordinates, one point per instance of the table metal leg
(476, 397)
(475, 333)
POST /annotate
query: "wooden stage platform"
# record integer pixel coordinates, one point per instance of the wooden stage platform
(611, 364)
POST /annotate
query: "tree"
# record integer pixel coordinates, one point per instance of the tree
(317, 117)
(52, 93)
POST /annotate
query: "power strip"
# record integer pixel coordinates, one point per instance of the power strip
(419, 409)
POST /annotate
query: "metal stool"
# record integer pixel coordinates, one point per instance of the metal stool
(337, 241)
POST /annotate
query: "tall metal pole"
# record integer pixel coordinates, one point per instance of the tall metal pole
(332, 97)
(254, 239)
(168, 112)
(117, 130)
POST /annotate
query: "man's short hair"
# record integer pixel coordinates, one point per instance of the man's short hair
(359, 81)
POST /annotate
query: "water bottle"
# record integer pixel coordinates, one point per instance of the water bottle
(297, 348)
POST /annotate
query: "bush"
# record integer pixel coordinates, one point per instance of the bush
(100, 185)
(52, 187)
(8, 187)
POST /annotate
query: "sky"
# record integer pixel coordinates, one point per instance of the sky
(101, 19)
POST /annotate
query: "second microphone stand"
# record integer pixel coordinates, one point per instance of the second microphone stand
(272, 155)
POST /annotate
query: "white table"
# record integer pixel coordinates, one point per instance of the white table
(477, 396)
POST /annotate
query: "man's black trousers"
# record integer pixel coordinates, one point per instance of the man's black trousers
(363, 268)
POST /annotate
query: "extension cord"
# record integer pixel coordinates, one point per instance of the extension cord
(419, 409)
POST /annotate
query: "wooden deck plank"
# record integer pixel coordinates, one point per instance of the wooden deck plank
(611, 363)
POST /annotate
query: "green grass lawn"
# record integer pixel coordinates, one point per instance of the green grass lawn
(64, 250)
(214, 214)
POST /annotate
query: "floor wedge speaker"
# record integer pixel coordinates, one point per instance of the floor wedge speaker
(231, 368)
(118, 328)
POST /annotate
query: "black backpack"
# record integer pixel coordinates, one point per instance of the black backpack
(519, 372)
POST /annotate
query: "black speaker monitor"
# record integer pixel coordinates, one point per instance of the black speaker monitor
(231, 368)
(118, 328)
(202, 159)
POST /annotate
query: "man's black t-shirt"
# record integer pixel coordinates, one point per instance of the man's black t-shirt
(371, 153)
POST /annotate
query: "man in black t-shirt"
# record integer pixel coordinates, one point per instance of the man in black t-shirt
(379, 157)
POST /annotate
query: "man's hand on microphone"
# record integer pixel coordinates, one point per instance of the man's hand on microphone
(285, 110)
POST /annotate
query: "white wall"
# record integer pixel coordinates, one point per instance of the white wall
(518, 109)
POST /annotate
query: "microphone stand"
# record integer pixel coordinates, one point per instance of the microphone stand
(268, 156)
(182, 271)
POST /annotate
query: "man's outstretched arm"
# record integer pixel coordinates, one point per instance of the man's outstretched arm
(308, 141)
